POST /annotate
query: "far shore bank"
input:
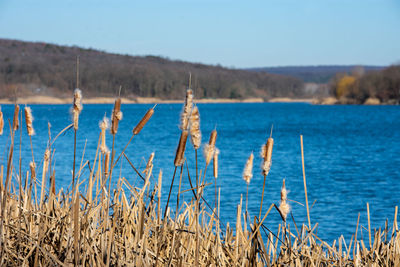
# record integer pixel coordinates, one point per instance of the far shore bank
(141, 100)
(154, 100)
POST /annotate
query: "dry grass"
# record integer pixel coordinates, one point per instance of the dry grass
(92, 226)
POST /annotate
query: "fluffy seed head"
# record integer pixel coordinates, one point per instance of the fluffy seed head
(215, 162)
(16, 118)
(180, 151)
(29, 120)
(149, 165)
(266, 154)
(77, 107)
(195, 133)
(78, 100)
(104, 124)
(284, 206)
(209, 148)
(187, 110)
(248, 169)
(116, 116)
(1, 122)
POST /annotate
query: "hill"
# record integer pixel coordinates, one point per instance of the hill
(48, 69)
(315, 74)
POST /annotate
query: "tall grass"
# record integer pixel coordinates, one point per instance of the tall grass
(91, 225)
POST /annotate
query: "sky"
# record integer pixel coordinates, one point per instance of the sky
(237, 34)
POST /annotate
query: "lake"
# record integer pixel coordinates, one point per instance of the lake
(352, 155)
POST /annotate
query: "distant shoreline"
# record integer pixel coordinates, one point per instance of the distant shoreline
(143, 100)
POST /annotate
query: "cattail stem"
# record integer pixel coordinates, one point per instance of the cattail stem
(73, 166)
(123, 150)
(262, 196)
(247, 195)
(169, 194)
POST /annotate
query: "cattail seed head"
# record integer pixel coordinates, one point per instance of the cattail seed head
(116, 116)
(104, 125)
(1, 122)
(215, 162)
(143, 121)
(77, 107)
(195, 133)
(16, 118)
(32, 167)
(209, 148)
(29, 120)
(78, 100)
(180, 151)
(284, 206)
(107, 162)
(187, 110)
(266, 154)
(248, 169)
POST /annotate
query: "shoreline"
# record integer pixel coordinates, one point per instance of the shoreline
(143, 100)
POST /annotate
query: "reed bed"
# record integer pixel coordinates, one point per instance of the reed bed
(90, 225)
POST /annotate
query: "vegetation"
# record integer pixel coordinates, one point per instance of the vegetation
(359, 87)
(125, 226)
(314, 74)
(40, 68)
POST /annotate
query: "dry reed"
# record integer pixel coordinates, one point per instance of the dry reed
(77, 228)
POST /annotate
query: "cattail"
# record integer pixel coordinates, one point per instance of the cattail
(29, 120)
(149, 165)
(209, 148)
(284, 206)
(77, 108)
(104, 124)
(16, 118)
(248, 169)
(107, 162)
(187, 110)
(195, 133)
(116, 116)
(143, 121)
(180, 151)
(1, 122)
(32, 167)
(215, 162)
(266, 154)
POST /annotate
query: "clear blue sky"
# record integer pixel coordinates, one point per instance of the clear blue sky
(231, 33)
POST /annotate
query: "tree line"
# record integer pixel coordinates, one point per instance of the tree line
(359, 86)
(42, 68)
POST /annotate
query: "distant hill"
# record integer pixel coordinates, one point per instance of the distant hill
(48, 69)
(314, 74)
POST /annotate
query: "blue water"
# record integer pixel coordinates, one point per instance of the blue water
(351, 155)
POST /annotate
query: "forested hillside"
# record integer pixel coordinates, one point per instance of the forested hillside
(40, 68)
